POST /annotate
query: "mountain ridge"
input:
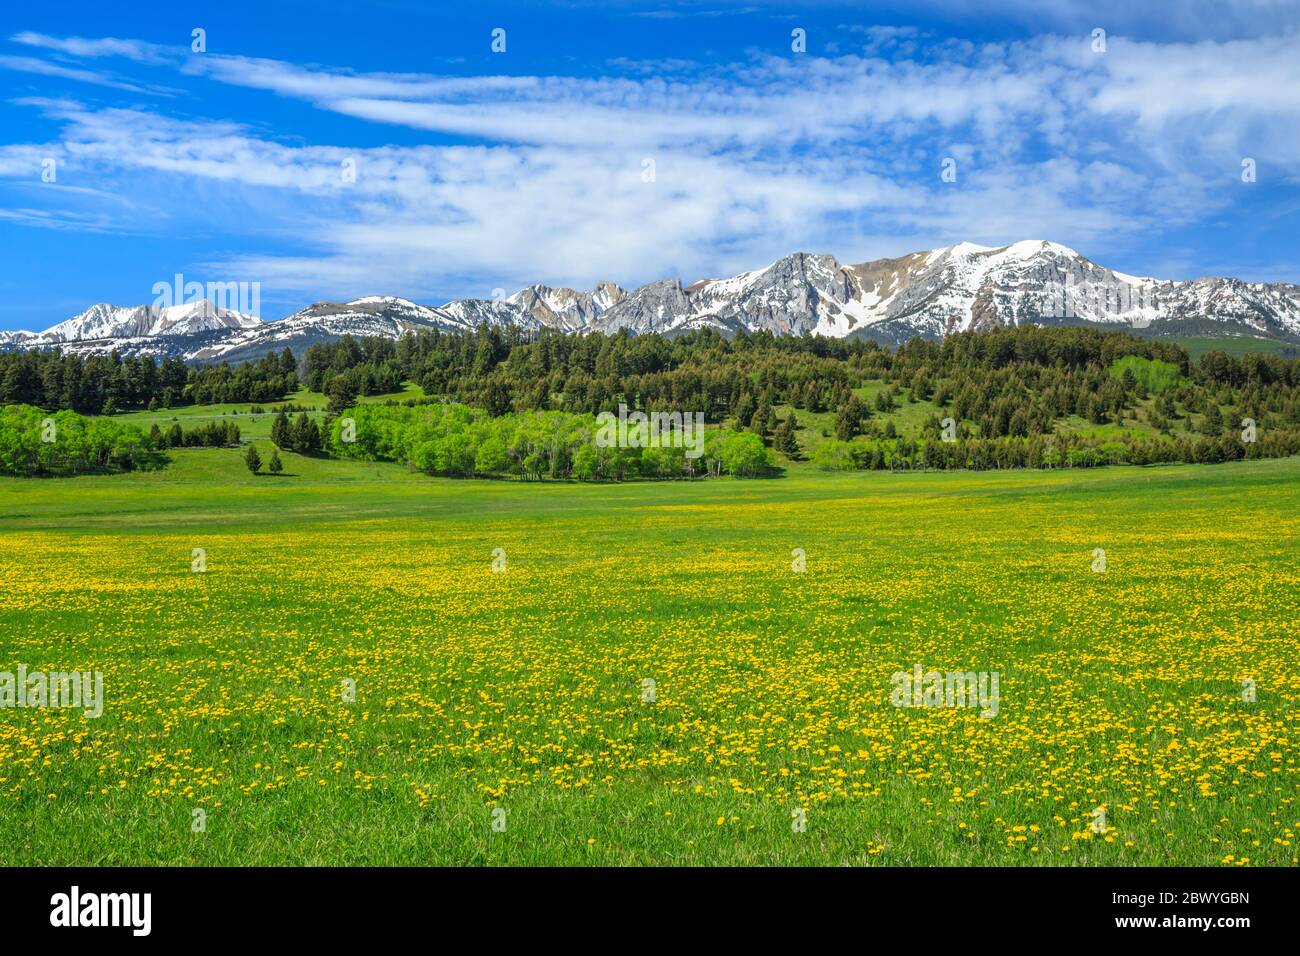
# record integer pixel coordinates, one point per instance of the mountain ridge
(931, 294)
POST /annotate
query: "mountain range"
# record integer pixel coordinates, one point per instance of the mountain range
(927, 294)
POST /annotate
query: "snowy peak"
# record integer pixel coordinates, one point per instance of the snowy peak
(797, 294)
(469, 313)
(970, 287)
(658, 306)
(104, 321)
(384, 316)
(100, 321)
(567, 309)
(200, 316)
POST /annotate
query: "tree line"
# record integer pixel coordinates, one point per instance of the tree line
(37, 443)
(105, 384)
(1059, 451)
(217, 434)
(1014, 383)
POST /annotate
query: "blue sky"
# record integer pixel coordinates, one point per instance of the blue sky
(628, 141)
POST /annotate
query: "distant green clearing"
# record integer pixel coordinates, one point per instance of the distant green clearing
(1153, 375)
(253, 425)
(1235, 345)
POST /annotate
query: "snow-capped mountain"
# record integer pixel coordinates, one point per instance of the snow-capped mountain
(103, 327)
(381, 315)
(928, 294)
(564, 308)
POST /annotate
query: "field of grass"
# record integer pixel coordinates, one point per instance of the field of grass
(519, 698)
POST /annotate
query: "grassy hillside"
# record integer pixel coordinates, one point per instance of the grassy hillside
(524, 691)
(816, 428)
(252, 424)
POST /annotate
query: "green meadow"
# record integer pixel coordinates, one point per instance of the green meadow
(372, 666)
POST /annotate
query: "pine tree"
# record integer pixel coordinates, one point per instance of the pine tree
(274, 466)
(342, 394)
(745, 409)
(298, 437)
(1213, 423)
(813, 398)
(848, 420)
(785, 442)
(282, 432)
(761, 422)
(498, 399)
(252, 459)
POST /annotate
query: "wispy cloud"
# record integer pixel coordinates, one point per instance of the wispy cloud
(27, 64)
(137, 50)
